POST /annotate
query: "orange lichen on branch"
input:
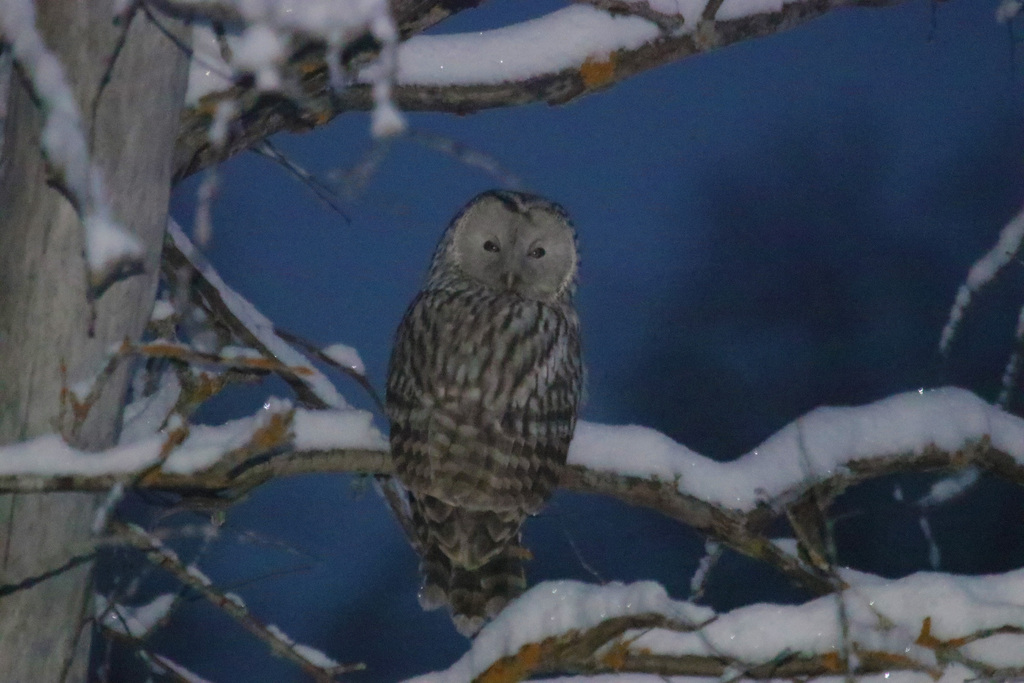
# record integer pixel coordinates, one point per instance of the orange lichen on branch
(164, 350)
(310, 66)
(517, 667)
(877, 660)
(598, 71)
(175, 438)
(274, 434)
(926, 639)
(189, 355)
(832, 662)
(203, 386)
(615, 657)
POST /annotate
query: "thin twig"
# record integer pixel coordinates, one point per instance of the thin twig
(315, 351)
(279, 644)
(322, 192)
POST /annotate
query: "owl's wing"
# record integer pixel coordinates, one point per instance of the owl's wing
(483, 392)
(482, 395)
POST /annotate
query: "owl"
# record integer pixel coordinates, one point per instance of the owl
(483, 389)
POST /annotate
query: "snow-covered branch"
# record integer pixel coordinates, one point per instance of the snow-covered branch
(569, 53)
(818, 456)
(975, 630)
(245, 322)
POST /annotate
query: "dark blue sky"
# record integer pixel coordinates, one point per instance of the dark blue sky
(774, 226)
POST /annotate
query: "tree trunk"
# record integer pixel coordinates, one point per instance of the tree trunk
(44, 315)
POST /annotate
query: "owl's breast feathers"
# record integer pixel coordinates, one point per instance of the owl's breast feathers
(482, 395)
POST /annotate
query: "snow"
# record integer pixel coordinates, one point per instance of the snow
(258, 324)
(736, 9)
(560, 40)
(386, 120)
(197, 575)
(953, 674)
(314, 656)
(239, 353)
(1009, 379)
(181, 672)
(207, 70)
(816, 445)
(346, 357)
(1008, 10)
(712, 551)
(327, 429)
(162, 310)
(264, 45)
(103, 512)
(310, 654)
(982, 272)
(108, 246)
(145, 415)
(235, 599)
(133, 621)
(881, 615)
(555, 607)
(934, 554)
(948, 488)
(690, 10)
(206, 444)
(49, 455)
(260, 51)
(223, 115)
(1001, 650)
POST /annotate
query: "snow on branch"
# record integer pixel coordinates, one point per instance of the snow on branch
(827, 444)
(814, 458)
(279, 440)
(318, 666)
(111, 252)
(981, 273)
(571, 52)
(894, 627)
(246, 322)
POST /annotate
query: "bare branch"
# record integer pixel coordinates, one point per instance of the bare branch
(278, 642)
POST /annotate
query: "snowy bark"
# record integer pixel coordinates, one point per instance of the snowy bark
(46, 323)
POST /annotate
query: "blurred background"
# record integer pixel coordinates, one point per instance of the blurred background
(767, 228)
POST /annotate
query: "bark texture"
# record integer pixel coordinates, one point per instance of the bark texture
(45, 319)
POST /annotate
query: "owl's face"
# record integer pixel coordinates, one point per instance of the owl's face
(517, 243)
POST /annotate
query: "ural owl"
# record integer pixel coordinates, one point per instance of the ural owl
(483, 388)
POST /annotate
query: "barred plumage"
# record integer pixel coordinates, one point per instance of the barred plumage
(483, 389)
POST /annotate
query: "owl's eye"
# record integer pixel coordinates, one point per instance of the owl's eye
(491, 246)
(537, 252)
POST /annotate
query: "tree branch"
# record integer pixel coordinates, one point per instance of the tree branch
(276, 640)
(262, 115)
(270, 451)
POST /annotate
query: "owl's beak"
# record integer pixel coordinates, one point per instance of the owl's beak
(511, 279)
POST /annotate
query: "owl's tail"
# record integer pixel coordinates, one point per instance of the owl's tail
(474, 596)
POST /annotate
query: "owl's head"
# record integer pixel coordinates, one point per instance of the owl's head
(513, 242)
